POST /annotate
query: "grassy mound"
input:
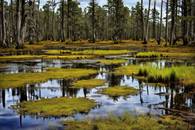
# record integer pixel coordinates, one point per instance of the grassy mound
(20, 79)
(112, 62)
(127, 122)
(117, 91)
(164, 54)
(45, 57)
(179, 74)
(55, 107)
(101, 52)
(92, 83)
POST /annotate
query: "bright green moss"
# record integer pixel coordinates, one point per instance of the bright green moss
(68, 57)
(20, 79)
(164, 54)
(149, 55)
(31, 57)
(57, 52)
(101, 52)
(127, 70)
(19, 57)
(92, 83)
(181, 74)
(112, 62)
(55, 107)
(126, 122)
(117, 91)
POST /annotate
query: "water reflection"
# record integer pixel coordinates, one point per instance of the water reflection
(149, 98)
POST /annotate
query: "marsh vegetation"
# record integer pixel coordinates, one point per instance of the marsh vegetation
(68, 64)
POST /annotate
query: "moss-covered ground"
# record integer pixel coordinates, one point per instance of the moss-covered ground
(55, 107)
(91, 83)
(179, 74)
(128, 122)
(117, 91)
(20, 79)
(112, 62)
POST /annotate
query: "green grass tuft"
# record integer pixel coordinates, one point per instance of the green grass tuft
(117, 91)
(127, 122)
(92, 83)
(20, 79)
(55, 107)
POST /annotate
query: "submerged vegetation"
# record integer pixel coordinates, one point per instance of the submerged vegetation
(117, 91)
(91, 83)
(20, 79)
(128, 122)
(55, 107)
(179, 74)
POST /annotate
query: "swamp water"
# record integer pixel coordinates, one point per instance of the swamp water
(147, 101)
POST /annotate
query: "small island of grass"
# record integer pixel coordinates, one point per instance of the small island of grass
(112, 62)
(92, 83)
(117, 91)
(55, 107)
(20, 79)
(127, 122)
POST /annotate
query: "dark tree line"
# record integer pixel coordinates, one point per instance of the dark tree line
(164, 21)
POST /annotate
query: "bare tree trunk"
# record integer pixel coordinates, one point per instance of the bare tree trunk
(142, 19)
(160, 31)
(37, 22)
(68, 19)
(154, 20)
(32, 24)
(167, 29)
(62, 21)
(184, 22)
(3, 28)
(93, 20)
(173, 12)
(21, 23)
(53, 19)
(147, 24)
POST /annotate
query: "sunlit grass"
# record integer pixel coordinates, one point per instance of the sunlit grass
(101, 52)
(44, 57)
(164, 54)
(20, 79)
(55, 107)
(91, 83)
(117, 91)
(112, 62)
(127, 122)
(181, 74)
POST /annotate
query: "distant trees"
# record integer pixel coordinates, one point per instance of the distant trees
(164, 21)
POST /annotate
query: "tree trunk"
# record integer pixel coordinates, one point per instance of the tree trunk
(147, 24)
(93, 21)
(167, 29)
(3, 28)
(142, 19)
(184, 22)
(173, 12)
(53, 19)
(32, 24)
(62, 21)
(21, 23)
(154, 20)
(160, 30)
(68, 19)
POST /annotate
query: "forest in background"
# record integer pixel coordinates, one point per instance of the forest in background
(25, 21)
